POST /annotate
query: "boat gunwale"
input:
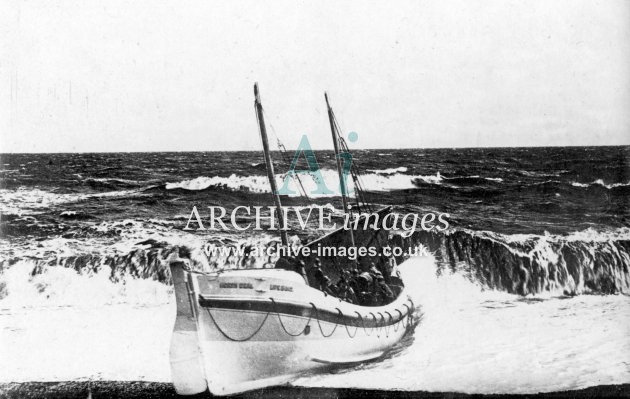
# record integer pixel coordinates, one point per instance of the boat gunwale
(377, 317)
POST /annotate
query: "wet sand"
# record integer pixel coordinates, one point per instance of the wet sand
(141, 390)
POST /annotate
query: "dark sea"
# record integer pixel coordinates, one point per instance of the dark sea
(527, 291)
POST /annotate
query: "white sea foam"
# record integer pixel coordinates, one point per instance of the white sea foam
(378, 180)
(389, 171)
(114, 180)
(23, 200)
(587, 235)
(61, 286)
(431, 179)
(473, 340)
(258, 184)
(495, 179)
(104, 240)
(469, 340)
(109, 342)
(609, 186)
(28, 201)
(600, 182)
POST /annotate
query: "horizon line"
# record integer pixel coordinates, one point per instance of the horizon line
(315, 149)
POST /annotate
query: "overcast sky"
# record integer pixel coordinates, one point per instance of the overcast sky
(178, 76)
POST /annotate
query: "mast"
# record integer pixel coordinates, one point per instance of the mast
(269, 163)
(342, 179)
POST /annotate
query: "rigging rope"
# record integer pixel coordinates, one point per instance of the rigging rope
(283, 153)
(354, 171)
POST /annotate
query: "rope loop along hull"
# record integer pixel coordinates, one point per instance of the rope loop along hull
(262, 327)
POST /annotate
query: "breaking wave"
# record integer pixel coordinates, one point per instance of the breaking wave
(600, 182)
(111, 263)
(582, 262)
(430, 179)
(379, 180)
(243, 183)
(385, 180)
(134, 268)
(389, 171)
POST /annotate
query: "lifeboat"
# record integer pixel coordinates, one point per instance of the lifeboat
(244, 329)
(239, 330)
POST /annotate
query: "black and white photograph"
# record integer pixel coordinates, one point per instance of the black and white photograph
(324, 199)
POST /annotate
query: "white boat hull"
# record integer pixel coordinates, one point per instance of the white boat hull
(256, 328)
